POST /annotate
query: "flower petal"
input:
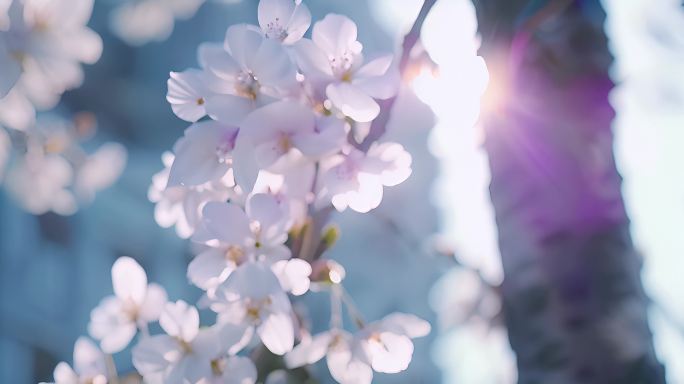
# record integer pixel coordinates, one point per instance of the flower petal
(353, 102)
(129, 280)
(225, 222)
(277, 333)
(180, 320)
(309, 351)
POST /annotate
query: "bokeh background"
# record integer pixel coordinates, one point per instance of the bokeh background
(54, 269)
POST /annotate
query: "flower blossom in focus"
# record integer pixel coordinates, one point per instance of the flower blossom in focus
(384, 346)
(188, 354)
(135, 304)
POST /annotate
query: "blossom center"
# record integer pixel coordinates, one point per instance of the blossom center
(247, 85)
(235, 255)
(341, 65)
(274, 30)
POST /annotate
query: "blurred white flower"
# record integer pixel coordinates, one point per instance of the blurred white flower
(384, 346)
(39, 182)
(138, 22)
(284, 20)
(187, 353)
(355, 179)
(89, 365)
(333, 62)
(135, 304)
(232, 370)
(41, 53)
(99, 171)
(4, 16)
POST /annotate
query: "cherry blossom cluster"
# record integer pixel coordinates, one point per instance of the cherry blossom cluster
(279, 139)
(42, 46)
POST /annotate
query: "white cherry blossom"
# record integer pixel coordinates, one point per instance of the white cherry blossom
(263, 307)
(187, 91)
(284, 20)
(270, 133)
(134, 304)
(236, 236)
(356, 179)
(251, 71)
(384, 346)
(89, 365)
(232, 370)
(333, 62)
(186, 353)
(181, 206)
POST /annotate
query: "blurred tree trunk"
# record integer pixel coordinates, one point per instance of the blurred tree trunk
(574, 304)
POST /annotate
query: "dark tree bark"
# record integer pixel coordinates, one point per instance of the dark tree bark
(574, 304)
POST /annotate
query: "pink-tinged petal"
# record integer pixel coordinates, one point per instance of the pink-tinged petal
(129, 280)
(240, 283)
(201, 154)
(309, 351)
(225, 222)
(16, 111)
(312, 60)
(293, 275)
(180, 320)
(214, 58)
(334, 34)
(155, 354)
(264, 208)
(88, 359)
(187, 93)
(239, 370)
(83, 44)
(394, 165)
(330, 136)
(277, 333)
(274, 15)
(390, 353)
(245, 165)
(353, 102)
(368, 196)
(241, 41)
(345, 367)
(209, 268)
(228, 109)
(406, 324)
(272, 121)
(232, 337)
(155, 300)
(378, 78)
(272, 66)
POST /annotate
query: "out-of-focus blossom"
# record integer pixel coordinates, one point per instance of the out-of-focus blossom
(41, 55)
(333, 61)
(4, 16)
(135, 304)
(356, 179)
(138, 22)
(52, 172)
(187, 353)
(89, 365)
